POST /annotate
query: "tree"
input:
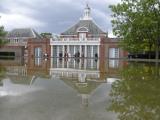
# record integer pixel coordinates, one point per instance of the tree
(46, 35)
(137, 23)
(2, 35)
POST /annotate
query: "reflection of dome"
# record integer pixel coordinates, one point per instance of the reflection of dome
(81, 85)
(111, 80)
(82, 88)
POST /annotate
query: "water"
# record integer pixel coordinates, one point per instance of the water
(79, 89)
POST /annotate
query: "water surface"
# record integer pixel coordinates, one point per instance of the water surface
(79, 89)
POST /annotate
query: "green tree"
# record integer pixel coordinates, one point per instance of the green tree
(46, 35)
(137, 23)
(2, 35)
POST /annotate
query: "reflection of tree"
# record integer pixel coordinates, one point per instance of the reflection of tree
(2, 73)
(137, 95)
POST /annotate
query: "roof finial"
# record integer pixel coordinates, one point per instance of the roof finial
(87, 12)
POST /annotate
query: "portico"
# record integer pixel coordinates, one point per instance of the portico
(83, 40)
(83, 50)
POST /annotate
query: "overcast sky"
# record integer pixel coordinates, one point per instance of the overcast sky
(53, 16)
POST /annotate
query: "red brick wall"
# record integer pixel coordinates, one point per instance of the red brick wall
(44, 66)
(44, 44)
(113, 43)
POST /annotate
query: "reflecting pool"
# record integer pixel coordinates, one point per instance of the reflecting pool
(79, 89)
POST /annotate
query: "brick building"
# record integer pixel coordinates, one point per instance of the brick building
(17, 42)
(38, 47)
(86, 40)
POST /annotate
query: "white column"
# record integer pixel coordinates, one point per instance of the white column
(57, 51)
(98, 51)
(92, 51)
(51, 50)
(68, 51)
(85, 51)
(74, 49)
(63, 50)
(80, 50)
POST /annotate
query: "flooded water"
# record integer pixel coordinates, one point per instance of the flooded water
(79, 89)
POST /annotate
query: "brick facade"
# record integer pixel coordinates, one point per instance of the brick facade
(113, 43)
(44, 44)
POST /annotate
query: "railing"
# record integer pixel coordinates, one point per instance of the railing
(16, 44)
(76, 39)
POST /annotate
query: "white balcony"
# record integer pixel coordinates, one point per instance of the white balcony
(75, 41)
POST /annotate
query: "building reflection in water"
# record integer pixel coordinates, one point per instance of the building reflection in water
(20, 75)
(113, 63)
(83, 75)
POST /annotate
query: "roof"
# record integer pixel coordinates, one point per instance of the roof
(23, 32)
(89, 24)
(113, 40)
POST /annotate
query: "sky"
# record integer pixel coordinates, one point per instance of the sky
(54, 16)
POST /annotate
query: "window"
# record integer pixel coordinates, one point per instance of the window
(38, 52)
(82, 36)
(113, 52)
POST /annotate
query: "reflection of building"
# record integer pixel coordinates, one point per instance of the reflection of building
(85, 39)
(24, 72)
(38, 66)
(83, 75)
(80, 69)
(113, 67)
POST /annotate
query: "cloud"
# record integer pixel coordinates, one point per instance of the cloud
(19, 21)
(52, 15)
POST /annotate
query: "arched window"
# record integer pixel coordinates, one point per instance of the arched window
(82, 29)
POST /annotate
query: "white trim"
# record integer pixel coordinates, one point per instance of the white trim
(33, 33)
(67, 35)
(98, 50)
(85, 49)
(92, 52)
(73, 70)
(51, 51)
(75, 43)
